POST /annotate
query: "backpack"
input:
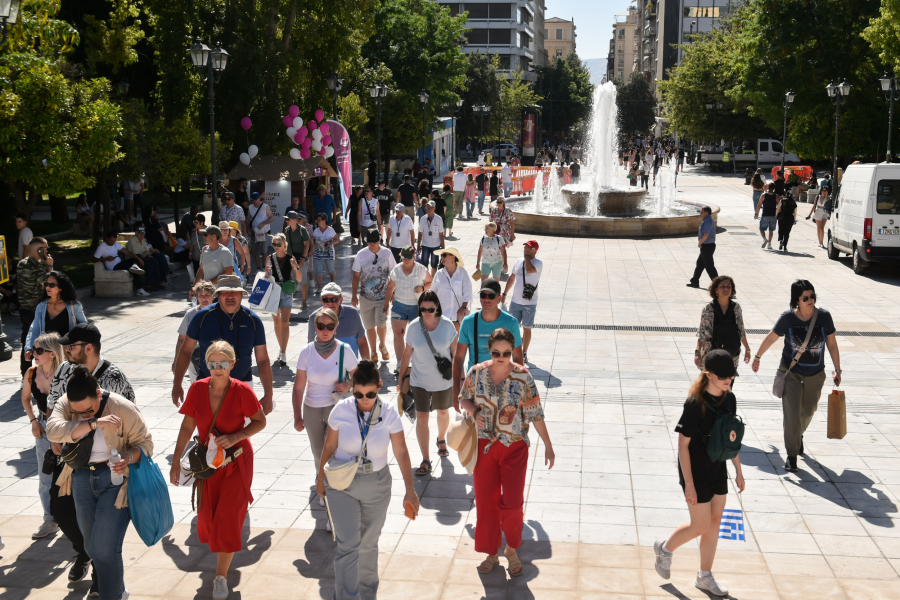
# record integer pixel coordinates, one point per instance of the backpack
(723, 442)
(726, 334)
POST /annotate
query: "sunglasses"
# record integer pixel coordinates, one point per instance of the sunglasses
(331, 300)
(40, 351)
(324, 326)
(218, 366)
(427, 310)
(808, 298)
(487, 296)
(50, 285)
(498, 354)
(277, 245)
(369, 395)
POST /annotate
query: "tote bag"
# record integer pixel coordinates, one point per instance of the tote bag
(148, 500)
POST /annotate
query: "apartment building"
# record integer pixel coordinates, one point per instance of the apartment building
(623, 44)
(560, 38)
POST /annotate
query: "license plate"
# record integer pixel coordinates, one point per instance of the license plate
(889, 232)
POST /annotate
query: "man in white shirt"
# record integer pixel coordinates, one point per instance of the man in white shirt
(108, 254)
(431, 228)
(25, 236)
(400, 231)
(371, 270)
(506, 175)
(259, 218)
(459, 190)
(525, 276)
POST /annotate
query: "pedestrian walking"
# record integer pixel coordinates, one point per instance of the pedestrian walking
(703, 479)
(707, 244)
(807, 331)
(722, 324)
(430, 239)
(786, 215)
(400, 231)
(644, 173)
(491, 259)
(203, 292)
(299, 244)
(385, 200)
(226, 408)
(768, 205)
(818, 213)
(58, 313)
(238, 246)
(407, 195)
(350, 329)
(283, 268)
(453, 286)
(369, 215)
(524, 281)
(430, 341)
(449, 210)
(407, 282)
(481, 186)
(505, 401)
(259, 224)
(459, 190)
(506, 222)
(31, 273)
(371, 270)
(493, 187)
(324, 238)
(359, 510)
(758, 187)
(215, 259)
(352, 215)
(506, 176)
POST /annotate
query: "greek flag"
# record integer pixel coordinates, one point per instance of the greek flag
(732, 526)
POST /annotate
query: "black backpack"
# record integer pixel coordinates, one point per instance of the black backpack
(726, 334)
(723, 442)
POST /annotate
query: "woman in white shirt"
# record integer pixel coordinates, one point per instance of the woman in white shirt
(320, 377)
(431, 390)
(491, 253)
(453, 286)
(369, 217)
(406, 282)
(359, 510)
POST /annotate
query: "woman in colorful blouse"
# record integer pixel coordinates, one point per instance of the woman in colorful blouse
(505, 220)
(502, 412)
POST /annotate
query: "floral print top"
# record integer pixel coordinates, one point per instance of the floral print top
(514, 403)
(705, 331)
(503, 219)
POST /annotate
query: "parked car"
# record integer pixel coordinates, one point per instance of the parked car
(500, 150)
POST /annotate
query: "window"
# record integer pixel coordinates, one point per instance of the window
(477, 37)
(501, 11)
(477, 11)
(504, 61)
(454, 8)
(559, 34)
(499, 36)
(777, 147)
(621, 33)
(621, 74)
(621, 61)
(764, 146)
(888, 200)
(559, 53)
(701, 11)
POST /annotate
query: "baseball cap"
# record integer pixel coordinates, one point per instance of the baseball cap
(407, 251)
(140, 230)
(491, 284)
(399, 206)
(531, 244)
(213, 230)
(254, 196)
(373, 236)
(720, 363)
(83, 332)
(431, 203)
(331, 289)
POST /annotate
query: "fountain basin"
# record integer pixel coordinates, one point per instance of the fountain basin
(612, 202)
(583, 226)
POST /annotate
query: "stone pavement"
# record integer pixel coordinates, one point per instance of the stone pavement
(612, 398)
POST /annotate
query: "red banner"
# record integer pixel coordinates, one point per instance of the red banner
(528, 127)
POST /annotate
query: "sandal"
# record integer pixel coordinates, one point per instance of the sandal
(423, 470)
(515, 565)
(488, 564)
(443, 452)
(384, 353)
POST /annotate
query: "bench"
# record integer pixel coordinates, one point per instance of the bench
(112, 284)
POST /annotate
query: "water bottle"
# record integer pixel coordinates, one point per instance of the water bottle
(115, 478)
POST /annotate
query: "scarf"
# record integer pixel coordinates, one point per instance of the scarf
(324, 348)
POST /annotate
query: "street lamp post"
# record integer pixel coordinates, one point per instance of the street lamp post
(788, 100)
(454, 109)
(213, 61)
(891, 93)
(838, 95)
(9, 15)
(378, 91)
(423, 98)
(334, 84)
(482, 109)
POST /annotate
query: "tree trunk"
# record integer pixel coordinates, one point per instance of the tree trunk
(26, 199)
(59, 212)
(104, 202)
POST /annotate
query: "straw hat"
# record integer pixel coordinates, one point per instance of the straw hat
(454, 252)
(462, 436)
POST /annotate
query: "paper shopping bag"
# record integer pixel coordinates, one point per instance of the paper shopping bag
(837, 415)
(262, 292)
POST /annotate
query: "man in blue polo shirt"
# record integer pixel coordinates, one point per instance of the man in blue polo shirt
(706, 238)
(324, 203)
(227, 320)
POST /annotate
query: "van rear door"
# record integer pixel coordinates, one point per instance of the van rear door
(885, 211)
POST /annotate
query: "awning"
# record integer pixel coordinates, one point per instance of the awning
(280, 168)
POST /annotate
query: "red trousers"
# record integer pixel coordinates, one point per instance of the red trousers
(499, 480)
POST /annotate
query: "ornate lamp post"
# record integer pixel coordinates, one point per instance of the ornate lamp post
(122, 87)
(891, 92)
(334, 84)
(378, 91)
(213, 62)
(788, 100)
(9, 15)
(423, 98)
(838, 95)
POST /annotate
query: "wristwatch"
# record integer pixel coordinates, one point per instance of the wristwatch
(93, 424)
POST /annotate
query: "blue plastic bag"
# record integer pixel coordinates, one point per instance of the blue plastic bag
(148, 500)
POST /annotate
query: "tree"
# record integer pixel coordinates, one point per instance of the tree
(567, 87)
(482, 87)
(636, 106)
(515, 95)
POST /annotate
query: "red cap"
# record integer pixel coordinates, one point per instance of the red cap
(531, 244)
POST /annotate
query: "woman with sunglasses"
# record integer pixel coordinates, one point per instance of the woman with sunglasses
(491, 253)
(320, 381)
(704, 481)
(359, 510)
(406, 283)
(504, 399)
(59, 312)
(453, 286)
(804, 363)
(369, 216)
(286, 272)
(429, 336)
(221, 405)
(505, 220)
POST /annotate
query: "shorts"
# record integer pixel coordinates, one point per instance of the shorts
(523, 313)
(259, 248)
(403, 312)
(820, 215)
(431, 255)
(767, 222)
(706, 490)
(287, 301)
(372, 313)
(428, 401)
(492, 270)
(324, 265)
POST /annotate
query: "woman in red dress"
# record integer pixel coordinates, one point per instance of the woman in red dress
(225, 496)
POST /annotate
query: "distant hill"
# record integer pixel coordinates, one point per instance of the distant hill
(597, 67)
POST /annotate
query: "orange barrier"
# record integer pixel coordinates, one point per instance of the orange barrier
(802, 171)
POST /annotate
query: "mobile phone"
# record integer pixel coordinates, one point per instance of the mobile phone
(42, 252)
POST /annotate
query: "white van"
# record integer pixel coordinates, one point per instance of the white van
(865, 221)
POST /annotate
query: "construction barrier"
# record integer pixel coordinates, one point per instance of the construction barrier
(803, 172)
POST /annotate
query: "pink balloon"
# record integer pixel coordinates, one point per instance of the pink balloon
(304, 153)
(246, 123)
(326, 141)
(325, 128)
(303, 131)
(320, 114)
(322, 151)
(312, 125)
(293, 111)
(306, 143)
(298, 139)
(288, 121)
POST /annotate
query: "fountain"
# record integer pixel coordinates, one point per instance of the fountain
(598, 205)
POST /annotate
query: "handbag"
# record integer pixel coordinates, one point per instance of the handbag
(406, 405)
(837, 415)
(262, 289)
(340, 473)
(200, 470)
(148, 500)
(287, 285)
(444, 365)
(462, 436)
(334, 395)
(780, 374)
(78, 454)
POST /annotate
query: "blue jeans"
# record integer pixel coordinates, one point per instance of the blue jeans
(41, 445)
(431, 256)
(103, 527)
(480, 201)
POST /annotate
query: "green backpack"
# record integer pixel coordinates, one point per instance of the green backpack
(724, 439)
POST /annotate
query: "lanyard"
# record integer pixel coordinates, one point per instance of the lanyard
(364, 427)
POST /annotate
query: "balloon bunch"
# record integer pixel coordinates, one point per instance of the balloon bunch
(252, 151)
(310, 137)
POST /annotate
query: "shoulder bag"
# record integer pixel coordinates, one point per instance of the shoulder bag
(196, 455)
(445, 366)
(781, 374)
(335, 395)
(339, 473)
(77, 454)
(288, 286)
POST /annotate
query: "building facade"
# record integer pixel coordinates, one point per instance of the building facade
(623, 45)
(560, 38)
(513, 31)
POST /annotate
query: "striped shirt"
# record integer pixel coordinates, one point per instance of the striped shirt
(405, 285)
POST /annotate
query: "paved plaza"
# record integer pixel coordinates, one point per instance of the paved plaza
(613, 356)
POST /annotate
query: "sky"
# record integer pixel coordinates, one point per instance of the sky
(593, 20)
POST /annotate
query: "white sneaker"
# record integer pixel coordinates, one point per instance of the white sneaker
(321, 501)
(769, 246)
(135, 269)
(46, 528)
(124, 595)
(2, 545)
(283, 358)
(142, 292)
(764, 243)
(709, 584)
(663, 560)
(220, 588)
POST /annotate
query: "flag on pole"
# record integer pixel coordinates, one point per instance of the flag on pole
(732, 526)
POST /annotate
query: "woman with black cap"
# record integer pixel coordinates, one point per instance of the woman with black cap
(704, 481)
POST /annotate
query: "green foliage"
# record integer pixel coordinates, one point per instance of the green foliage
(38, 31)
(636, 106)
(482, 87)
(567, 86)
(883, 33)
(113, 42)
(515, 95)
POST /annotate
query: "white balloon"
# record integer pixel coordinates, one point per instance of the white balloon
(316, 134)
(291, 132)
(245, 158)
(298, 122)
(329, 151)
(316, 145)
(253, 151)
(295, 153)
